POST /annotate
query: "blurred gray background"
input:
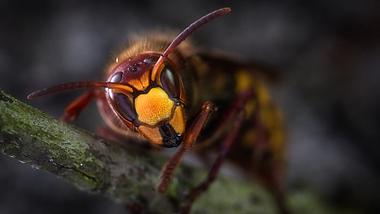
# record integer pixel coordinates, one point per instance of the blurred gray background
(327, 54)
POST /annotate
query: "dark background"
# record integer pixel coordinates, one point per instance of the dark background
(326, 52)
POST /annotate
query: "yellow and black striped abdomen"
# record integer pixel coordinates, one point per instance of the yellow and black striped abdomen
(262, 136)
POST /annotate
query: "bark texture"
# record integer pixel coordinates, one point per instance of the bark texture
(125, 173)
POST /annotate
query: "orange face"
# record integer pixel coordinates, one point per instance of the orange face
(155, 107)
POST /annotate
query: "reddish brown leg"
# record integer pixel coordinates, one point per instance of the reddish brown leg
(190, 138)
(238, 112)
(271, 174)
(268, 172)
(224, 126)
(76, 106)
(279, 193)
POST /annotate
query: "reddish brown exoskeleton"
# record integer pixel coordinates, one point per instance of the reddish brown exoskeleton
(166, 91)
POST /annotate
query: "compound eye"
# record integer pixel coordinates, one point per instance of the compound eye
(124, 106)
(121, 102)
(170, 82)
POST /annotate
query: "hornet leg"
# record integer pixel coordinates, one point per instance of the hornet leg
(190, 138)
(73, 110)
(238, 110)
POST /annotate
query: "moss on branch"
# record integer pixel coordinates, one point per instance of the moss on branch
(125, 174)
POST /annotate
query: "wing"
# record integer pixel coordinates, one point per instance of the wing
(227, 61)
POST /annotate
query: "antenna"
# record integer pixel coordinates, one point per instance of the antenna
(78, 85)
(185, 33)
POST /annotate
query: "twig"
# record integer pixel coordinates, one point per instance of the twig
(125, 174)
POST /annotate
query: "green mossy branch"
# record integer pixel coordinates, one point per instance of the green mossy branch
(125, 174)
(84, 160)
